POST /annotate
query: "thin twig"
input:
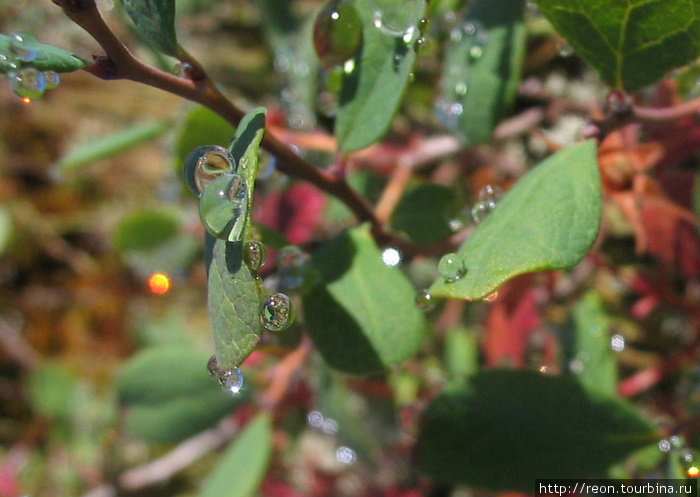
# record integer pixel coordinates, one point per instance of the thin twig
(119, 63)
(283, 374)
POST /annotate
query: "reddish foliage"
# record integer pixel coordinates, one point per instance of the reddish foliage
(295, 212)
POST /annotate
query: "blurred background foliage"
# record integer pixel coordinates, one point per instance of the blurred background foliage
(103, 369)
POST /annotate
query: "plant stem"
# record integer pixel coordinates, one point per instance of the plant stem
(119, 63)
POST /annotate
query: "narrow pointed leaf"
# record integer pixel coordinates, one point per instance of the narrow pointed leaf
(482, 69)
(548, 220)
(48, 58)
(503, 429)
(234, 294)
(372, 92)
(155, 22)
(358, 325)
(242, 468)
(633, 43)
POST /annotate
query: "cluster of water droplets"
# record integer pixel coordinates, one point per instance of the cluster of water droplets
(230, 379)
(675, 446)
(468, 39)
(26, 81)
(329, 426)
(487, 200)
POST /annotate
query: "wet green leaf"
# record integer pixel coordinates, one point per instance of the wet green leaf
(372, 92)
(505, 428)
(482, 68)
(633, 43)
(594, 361)
(234, 294)
(169, 396)
(155, 22)
(242, 468)
(358, 325)
(110, 145)
(548, 220)
(48, 59)
(424, 213)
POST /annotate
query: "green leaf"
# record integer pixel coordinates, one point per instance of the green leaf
(372, 92)
(633, 43)
(461, 353)
(145, 229)
(155, 22)
(48, 59)
(110, 145)
(594, 361)
(548, 220)
(505, 428)
(244, 465)
(234, 293)
(169, 396)
(52, 390)
(424, 213)
(362, 318)
(482, 69)
(201, 126)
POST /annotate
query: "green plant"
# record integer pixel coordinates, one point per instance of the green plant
(405, 340)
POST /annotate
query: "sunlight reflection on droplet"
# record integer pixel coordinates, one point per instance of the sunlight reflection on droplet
(617, 342)
(391, 257)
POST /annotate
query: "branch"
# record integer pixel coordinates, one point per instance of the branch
(119, 63)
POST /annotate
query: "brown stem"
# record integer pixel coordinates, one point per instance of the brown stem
(119, 63)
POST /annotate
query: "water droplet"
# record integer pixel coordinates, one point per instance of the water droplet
(688, 456)
(492, 193)
(106, 5)
(424, 301)
(22, 45)
(398, 18)
(391, 257)
(564, 48)
(254, 254)
(28, 83)
(676, 441)
(576, 366)
(205, 164)
(664, 445)
(231, 380)
(315, 419)
(329, 426)
(617, 343)
(223, 207)
(52, 79)
(213, 366)
(449, 113)
(619, 102)
(474, 36)
(182, 69)
(349, 66)
(277, 313)
(491, 297)
(345, 455)
(482, 209)
(452, 267)
(337, 32)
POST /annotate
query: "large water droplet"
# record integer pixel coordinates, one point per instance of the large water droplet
(213, 366)
(391, 257)
(617, 343)
(53, 79)
(345, 455)
(231, 380)
(223, 207)
(664, 445)
(315, 419)
(292, 267)
(28, 83)
(254, 254)
(277, 313)
(23, 45)
(398, 19)
(452, 267)
(337, 32)
(482, 209)
(205, 164)
(424, 301)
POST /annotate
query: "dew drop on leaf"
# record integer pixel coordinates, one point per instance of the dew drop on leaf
(28, 83)
(398, 19)
(20, 46)
(223, 207)
(205, 164)
(452, 267)
(52, 79)
(231, 380)
(490, 193)
(337, 32)
(277, 313)
(482, 209)
(254, 254)
(213, 366)
(424, 301)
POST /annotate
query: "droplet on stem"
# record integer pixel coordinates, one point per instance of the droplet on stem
(482, 209)
(277, 313)
(492, 193)
(451, 267)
